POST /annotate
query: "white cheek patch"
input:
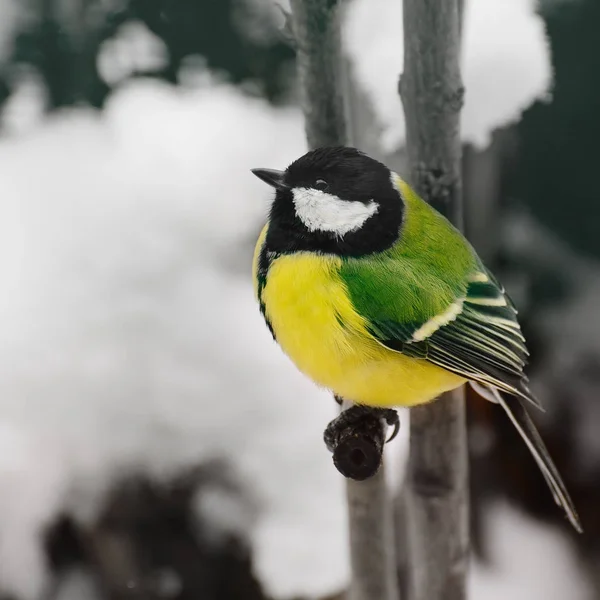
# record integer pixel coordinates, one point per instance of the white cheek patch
(320, 211)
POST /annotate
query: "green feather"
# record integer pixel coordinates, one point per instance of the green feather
(418, 278)
(430, 297)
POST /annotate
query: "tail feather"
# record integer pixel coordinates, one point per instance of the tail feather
(517, 412)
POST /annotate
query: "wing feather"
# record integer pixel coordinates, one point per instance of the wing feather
(520, 418)
(483, 342)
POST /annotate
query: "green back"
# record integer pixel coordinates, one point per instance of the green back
(419, 277)
(430, 297)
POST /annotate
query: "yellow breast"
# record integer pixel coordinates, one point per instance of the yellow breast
(316, 325)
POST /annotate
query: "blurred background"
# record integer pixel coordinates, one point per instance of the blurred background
(154, 441)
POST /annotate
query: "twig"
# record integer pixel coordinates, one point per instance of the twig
(437, 486)
(316, 25)
(357, 444)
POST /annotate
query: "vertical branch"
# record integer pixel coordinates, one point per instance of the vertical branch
(432, 95)
(318, 40)
(372, 543)
(461, 19)
(321, 69)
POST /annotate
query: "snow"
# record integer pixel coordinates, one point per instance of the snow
(25, 107)
(32, 477)
(528, 561)
(502, 73)
(133, 49)
(131, 338)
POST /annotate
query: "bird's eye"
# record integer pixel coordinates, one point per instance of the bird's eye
(321, 184)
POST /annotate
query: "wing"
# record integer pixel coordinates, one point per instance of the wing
(461, 321)
(483, 342)
(430, 297)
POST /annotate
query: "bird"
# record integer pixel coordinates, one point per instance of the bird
(377, 297)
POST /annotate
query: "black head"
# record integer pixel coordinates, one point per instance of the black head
(334, 200)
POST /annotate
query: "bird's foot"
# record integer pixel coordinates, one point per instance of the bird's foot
(354, 415)
(356, 439)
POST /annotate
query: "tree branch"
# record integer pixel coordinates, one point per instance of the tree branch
(319, 62)
(372, 540)
(437, 487)
(356, 443)
(321, 71)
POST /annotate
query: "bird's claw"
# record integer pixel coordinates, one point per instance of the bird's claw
(392, 420)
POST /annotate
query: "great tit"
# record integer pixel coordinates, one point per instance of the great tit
(376, 296)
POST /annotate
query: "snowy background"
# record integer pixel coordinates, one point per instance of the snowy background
(131, 342)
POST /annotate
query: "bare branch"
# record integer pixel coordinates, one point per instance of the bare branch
(461, 18)
(316, 25)
(437, 486)
(319, 62)
(438, 503)
(356, 442)
(372, 540)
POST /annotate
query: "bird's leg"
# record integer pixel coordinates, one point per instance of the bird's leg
(354, 415)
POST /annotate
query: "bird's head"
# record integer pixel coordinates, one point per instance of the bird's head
(334, 200)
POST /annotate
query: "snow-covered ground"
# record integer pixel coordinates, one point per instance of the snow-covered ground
(130, 336)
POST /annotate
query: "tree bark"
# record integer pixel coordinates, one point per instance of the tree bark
(321, 72)
(437, 482)
(372, 542)
(317, 31)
